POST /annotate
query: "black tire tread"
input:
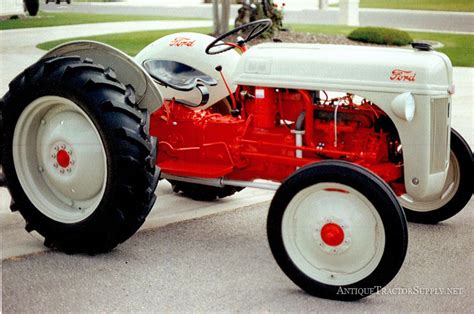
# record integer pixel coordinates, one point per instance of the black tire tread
(463, 153)
(371, 186)
(129, 152)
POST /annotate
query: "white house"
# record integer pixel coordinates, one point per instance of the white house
(11, 7)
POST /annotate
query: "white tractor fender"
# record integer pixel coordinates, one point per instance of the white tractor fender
(189, 48)
(127, 69)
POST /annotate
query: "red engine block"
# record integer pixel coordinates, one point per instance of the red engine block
(275, 132)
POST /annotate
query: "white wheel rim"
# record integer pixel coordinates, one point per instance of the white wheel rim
(60, 159)
(450, 188)
(364, 237)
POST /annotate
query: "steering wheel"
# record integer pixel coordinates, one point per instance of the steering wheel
(254, 29)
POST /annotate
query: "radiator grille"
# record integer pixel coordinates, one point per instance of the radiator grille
(439, 134)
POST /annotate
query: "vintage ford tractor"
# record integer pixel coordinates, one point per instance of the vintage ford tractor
(351, 138)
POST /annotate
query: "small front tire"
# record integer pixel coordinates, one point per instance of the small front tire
(457, 190)
(337, 230)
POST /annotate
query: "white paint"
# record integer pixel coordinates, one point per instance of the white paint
(364, 237)
(11, 7)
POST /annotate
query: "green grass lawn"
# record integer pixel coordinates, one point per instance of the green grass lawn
(459, 48)
(435, 5)
(130, 43)
(44, 19)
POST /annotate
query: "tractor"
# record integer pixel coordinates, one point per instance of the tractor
(353, 140)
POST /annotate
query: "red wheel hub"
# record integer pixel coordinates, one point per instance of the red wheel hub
(332, 234)
(63, 158)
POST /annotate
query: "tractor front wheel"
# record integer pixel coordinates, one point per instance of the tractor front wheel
(457, 190)
(77, 156)
(337, 230)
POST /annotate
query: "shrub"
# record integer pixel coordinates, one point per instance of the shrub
(381, 36)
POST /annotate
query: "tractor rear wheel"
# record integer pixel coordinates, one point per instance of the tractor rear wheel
(457, 190)
(77, 155)
(201, 192)
(337, 230)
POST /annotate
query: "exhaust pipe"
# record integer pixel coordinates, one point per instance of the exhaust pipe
(221, 182)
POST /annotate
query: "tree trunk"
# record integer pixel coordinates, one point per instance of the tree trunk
(323, 4)
(225, 16)
(215, 13)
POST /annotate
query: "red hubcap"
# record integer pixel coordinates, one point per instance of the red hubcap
(332, 234)
(63, 158)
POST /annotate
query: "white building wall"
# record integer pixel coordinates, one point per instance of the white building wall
(11, 7)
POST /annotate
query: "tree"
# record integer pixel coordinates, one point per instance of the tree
(323, 4)
(221, 21)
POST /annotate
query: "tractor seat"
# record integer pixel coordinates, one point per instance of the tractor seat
(177, 75)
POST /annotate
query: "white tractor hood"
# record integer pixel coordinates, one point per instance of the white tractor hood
(344, 68)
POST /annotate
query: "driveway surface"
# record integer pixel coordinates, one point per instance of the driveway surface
(405, 19)
(223, 264)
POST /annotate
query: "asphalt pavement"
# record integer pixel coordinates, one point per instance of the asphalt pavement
(403, 19)
(223, 264)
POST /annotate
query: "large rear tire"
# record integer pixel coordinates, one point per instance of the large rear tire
(337, 230)
(77, 155)
(457, 190)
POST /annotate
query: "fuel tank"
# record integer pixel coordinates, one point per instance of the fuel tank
(342, 68)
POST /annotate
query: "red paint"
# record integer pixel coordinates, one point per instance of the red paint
(336, 190)
(182, 41)
(402, 75)
(260, 143)
(332, 234)
(63, 158)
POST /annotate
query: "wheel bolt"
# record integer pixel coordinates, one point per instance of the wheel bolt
(55, 165)
(68, 170)
(62, 171)
(56, 148)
